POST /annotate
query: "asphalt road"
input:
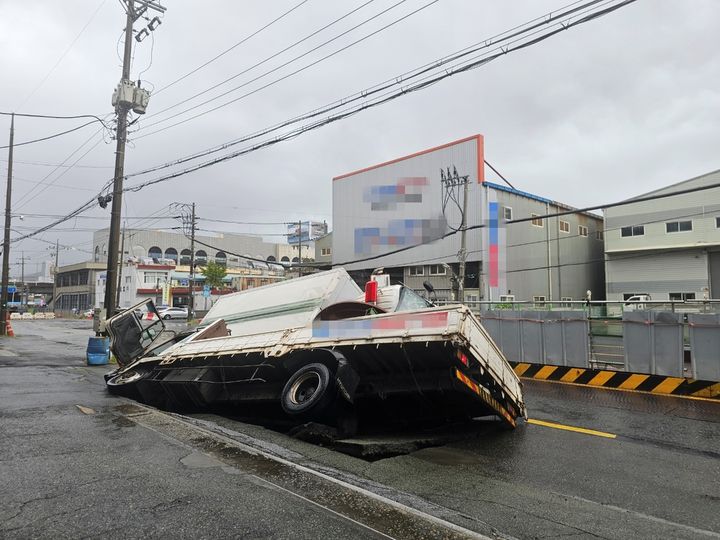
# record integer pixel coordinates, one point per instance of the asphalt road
(649, 466)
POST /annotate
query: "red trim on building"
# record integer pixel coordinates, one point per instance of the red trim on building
(149, 291)
(480, 158)
(155, 267)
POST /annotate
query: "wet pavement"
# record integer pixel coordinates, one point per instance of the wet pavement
(77, 462)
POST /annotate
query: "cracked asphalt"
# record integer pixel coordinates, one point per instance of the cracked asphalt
(76, 462)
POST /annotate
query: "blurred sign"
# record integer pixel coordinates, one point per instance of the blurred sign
(310, 231)
(206, 291)
(184, 282)
(12, 289)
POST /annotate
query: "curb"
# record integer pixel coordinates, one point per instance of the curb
(621, 380)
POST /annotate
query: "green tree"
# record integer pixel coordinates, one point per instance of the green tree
(214, 274)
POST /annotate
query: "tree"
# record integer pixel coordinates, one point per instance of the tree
(214, 274)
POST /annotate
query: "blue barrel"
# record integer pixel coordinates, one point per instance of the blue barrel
(98, 351)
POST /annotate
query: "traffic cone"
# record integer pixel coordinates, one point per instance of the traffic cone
(8, 327)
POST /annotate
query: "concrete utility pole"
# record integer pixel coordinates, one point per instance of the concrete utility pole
(122, 112)
(6, 238)
(122, 257)
(23, 295)
(191, 282)
(55, 273)
(451, 183)
(137, 101)
(300, 248)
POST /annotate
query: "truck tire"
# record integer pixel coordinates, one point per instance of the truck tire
(308, 391)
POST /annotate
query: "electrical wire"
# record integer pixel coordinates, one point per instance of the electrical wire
(275, 69)
(53, 136)
(423, 84)
(268, 25)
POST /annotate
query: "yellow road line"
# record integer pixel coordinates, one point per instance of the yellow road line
(571, 428)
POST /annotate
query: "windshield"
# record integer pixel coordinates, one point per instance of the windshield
(410, 300)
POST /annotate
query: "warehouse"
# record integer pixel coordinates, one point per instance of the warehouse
(401, 216)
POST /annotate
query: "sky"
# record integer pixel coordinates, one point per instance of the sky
(601, 112)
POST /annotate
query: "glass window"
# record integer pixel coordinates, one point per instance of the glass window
(437, 270)
(582, 230)
(416, 271)
(507, 213)
(681, 297)
(564, 226)
(539, 300)
(599, 235)
(678, 226)
(717, 222)
(536, 221)
(633, 230)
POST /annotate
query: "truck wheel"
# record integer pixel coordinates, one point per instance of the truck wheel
(308, 390)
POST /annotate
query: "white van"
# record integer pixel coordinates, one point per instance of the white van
(637, 302)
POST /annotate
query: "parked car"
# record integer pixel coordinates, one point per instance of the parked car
(637, 302)
(173, 313)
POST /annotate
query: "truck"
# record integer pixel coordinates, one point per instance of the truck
(321, 349)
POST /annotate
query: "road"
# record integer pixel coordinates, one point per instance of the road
(76, 462)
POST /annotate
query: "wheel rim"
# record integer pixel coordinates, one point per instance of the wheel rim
(304, 388)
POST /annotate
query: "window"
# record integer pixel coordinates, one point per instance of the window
(171, 253)
(599, 235)
(416, 271)
(437, 270)
(507, 213)
(539, 300)
(717, 222)
(325, 252)
(221, 258)
(564, 226)
(681, 296)
(185, 256)
(565, 301)
(507, 297)
(633, 230)
(536, 221)
(582, 230)
(154, 277)
(678, 226)
(155, 253)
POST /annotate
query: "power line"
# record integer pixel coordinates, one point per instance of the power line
(268, 25)
(564, 25)
(53, 136)
(552, 17)
(63, 55)
(322, 59)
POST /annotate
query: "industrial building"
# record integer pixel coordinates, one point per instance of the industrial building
(401, 216)
(666, 247)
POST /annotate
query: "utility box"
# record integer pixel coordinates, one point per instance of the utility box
(141, 98)
(123, 95)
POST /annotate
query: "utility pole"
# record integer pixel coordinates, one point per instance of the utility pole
(23, 296)
(451, 183)
(128, 96)
(300, 248)
(55, 273)
(6, 238)
(191, 303)
(122, 112)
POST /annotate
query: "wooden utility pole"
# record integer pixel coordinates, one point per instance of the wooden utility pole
(6, 238)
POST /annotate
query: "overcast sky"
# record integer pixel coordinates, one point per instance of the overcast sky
(607, 110)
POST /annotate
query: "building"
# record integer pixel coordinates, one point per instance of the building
(75, 286)
(666, 247)
(166, 283)
(323, 249)
(400, 216)
(227, 248)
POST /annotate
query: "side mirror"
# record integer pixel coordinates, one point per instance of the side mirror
(428, 286)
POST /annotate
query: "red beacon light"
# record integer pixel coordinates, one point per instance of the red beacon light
(371, 292)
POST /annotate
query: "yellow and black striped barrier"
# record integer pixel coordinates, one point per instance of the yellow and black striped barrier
(620, 380)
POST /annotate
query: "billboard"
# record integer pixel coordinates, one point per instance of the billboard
(305, 231)
(396, 205)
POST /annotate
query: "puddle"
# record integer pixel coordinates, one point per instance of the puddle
(196, 460)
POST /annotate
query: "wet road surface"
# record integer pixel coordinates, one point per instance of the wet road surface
(646, 466)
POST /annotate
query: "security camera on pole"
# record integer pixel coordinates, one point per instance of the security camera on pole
(126, 96)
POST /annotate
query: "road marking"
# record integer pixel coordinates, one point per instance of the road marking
(571, 428)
